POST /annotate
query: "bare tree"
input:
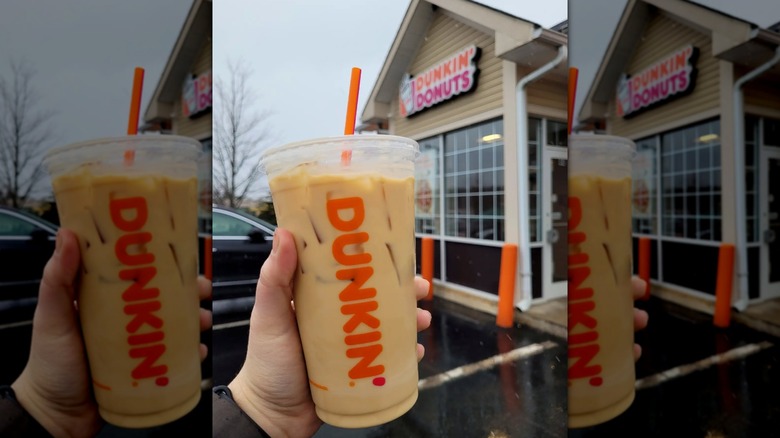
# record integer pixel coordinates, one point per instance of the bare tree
(24, 132)
(238, 134)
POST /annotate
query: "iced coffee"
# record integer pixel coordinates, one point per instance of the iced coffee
(353, 226)
(136, 223)
(600, 302)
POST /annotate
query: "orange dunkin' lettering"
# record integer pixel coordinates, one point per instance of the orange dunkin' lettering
(143, 313)
(583, 343)
(358, 277)
(141, 301)
(345, 240)
(583, 356)
(140, 278)
(367, 355)
(334, 206)
(363, 338)
(139, 239)
(360, 315)
(118, 206)
(150, 355)
(358, 303)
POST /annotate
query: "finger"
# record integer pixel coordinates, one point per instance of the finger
(637, 352)
(55, 313)
(205, 320)
(421, 287)
(204, 288)
(423, 319)
(638, 287)
(204, 351)
(274, 289)
(420, 352)
(640, 319)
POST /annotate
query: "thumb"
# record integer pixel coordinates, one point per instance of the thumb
(274, 289)
(55, 314)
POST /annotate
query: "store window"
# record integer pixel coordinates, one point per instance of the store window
(554, 135)
(751, 177)
(474, 181)
(534, 179)
(644, 182)
(427, 189)
(557, 134)
(691, 182)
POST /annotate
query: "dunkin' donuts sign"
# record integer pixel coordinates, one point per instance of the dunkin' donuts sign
(196, 95)
(673, 76)
(448, 78)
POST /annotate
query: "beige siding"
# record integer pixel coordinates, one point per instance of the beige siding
(199, 127)
(446, 36)
(548, 94)
(663, 36)
(762, 92)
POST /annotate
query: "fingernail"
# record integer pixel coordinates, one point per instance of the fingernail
(58, 243)
(275, 246)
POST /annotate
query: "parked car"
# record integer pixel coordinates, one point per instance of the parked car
(240, 245)
(26, 244)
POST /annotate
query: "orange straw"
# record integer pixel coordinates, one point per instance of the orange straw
(135, 101)
(352, 102)
(135, 110)
(573, 73)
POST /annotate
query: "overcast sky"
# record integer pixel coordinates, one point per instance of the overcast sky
(592, 22)
(84, 53)
(301, 53)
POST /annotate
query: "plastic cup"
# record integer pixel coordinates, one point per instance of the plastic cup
(354, 285)
(600, 300)
(138, 297)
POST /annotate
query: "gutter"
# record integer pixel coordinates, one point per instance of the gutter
(739, 163)
(522, 171)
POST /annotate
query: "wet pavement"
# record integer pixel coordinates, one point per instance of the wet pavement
(728, 383)
(523, 396)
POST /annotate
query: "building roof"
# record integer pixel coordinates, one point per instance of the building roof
(516, 39)
(733, 39)
(194, 33)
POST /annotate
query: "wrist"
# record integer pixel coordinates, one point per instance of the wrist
(277, 421)
(32, 404)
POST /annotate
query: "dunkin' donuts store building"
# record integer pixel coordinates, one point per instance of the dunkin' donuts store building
(484, 94)
(698, 91)
(181, 103)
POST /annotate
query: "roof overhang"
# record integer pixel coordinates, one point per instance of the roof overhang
(194, 33)
(512, 35)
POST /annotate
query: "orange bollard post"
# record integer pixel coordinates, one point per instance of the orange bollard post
(722, 316)
(427, 264)
(644, 264)
(207, 257)
(506, 286)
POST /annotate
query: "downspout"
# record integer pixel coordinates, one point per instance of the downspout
(739, 163)
(522, 175)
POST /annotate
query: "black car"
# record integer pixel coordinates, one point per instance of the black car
(26, 244)
(240, 245)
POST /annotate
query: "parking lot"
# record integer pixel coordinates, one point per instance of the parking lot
(696, 380)
(475, 380)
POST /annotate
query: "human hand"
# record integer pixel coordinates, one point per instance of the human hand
(641, 317)
(54, 386)
(272, 386)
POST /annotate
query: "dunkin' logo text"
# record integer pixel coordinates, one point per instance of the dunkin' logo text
(145, 339)
(357, 301)
(583, 346)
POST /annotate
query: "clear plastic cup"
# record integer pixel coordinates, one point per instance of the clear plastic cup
(353, 226)
(138, 299)
(600, 301)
